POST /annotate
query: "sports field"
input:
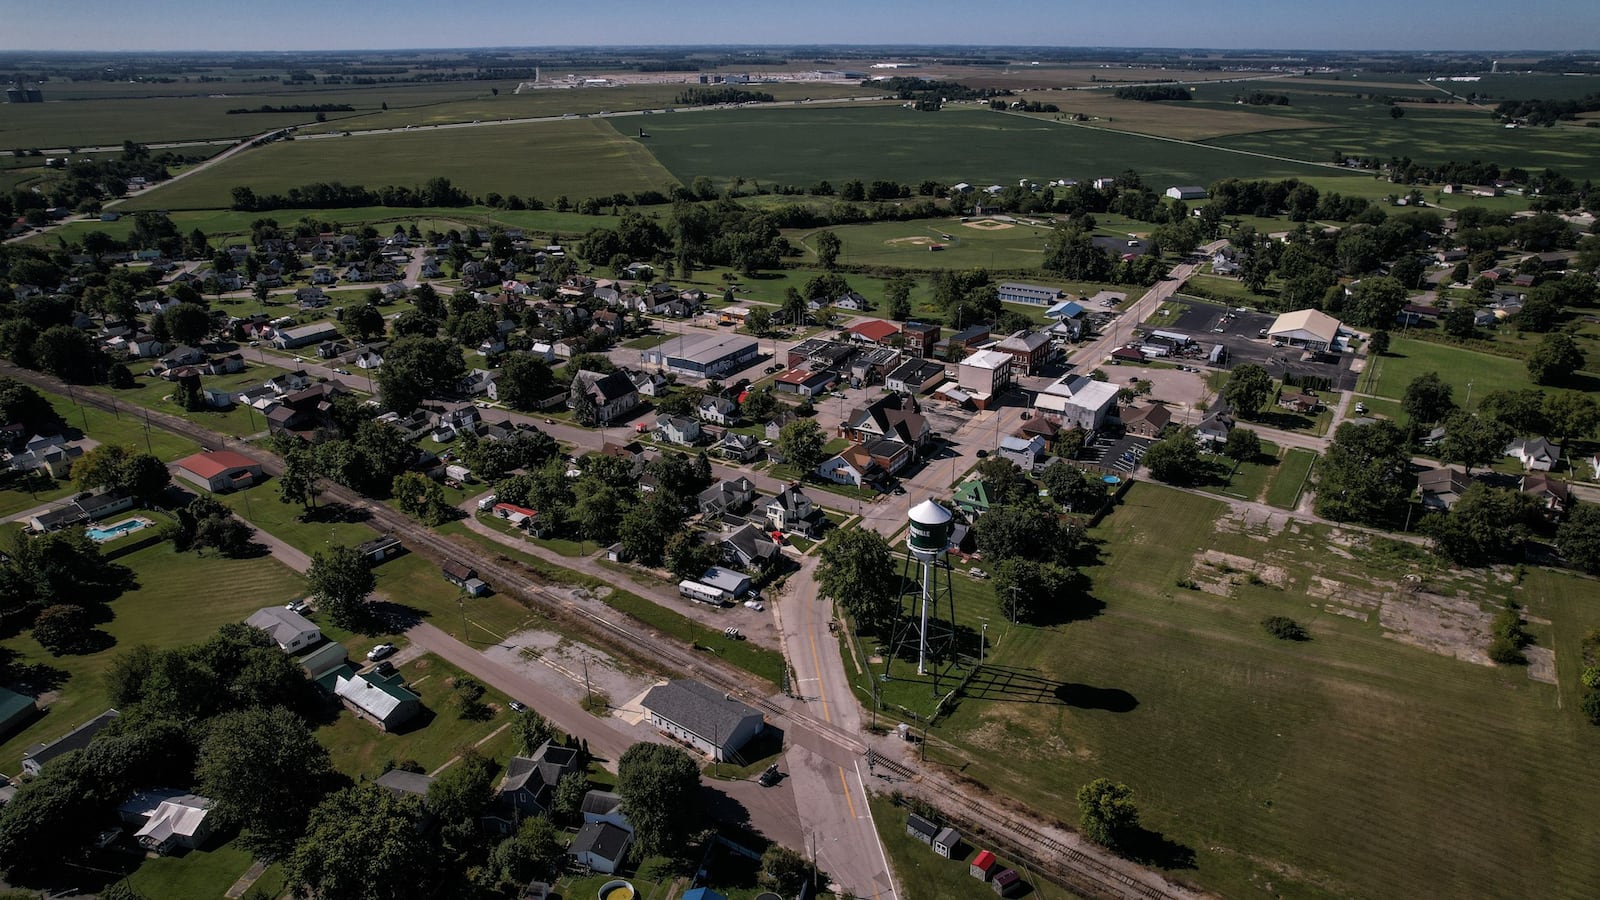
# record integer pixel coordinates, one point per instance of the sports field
(1353, 764)
(579, 158)
(801, 146)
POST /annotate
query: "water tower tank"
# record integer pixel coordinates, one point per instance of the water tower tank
(929, 532)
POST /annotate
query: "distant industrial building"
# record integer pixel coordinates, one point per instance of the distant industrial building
(1038, 295)
(24, 93)
(705, 355)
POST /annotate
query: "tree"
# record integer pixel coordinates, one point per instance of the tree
(760, 320)
(531, 730)
(1486, 525)
(568, 802)
(1472, 440)
(1578, 537)
(459, 795)
(1378, 344)
(897, 293)
(362, 843)
(530, 854)
(783, 869)
(265, 771)
(63, 628)
(1026, 588)
(66, 353)
(800, 444)
(1555, 360)
(660, 786)
(828, 247)
(1396, 112)
(1248, 389)
(1242, 445)
(1024, 528)
(298, 483)
(22, 404)
(187, 323)
(857, 570)
(1428, 399)
(1461, 321)
(1571, 415)
(688, 555)
(1362, 475)
(417, 368)
(1373, 303)
(1106, 813)
(341, 578)
(1175, 458)
(1070, 487)
(365, 322)
(422, 498)
(1519, 411)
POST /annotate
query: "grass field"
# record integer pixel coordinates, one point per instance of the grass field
(180, 599)
(1177, 120)
(1248, 479)
(1349, 765)
(926, 875)
(803, 146)
(578, 158)
(239, 420)
(201, 875)
(1284, 491)
(95, 123)
(1389, 375)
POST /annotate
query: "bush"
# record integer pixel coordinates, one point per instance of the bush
(1285, 629)
(1591, 706)
(1506, 652)
(1509, 637)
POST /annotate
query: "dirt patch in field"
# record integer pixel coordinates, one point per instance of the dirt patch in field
(988, 225)
(1450, 626)
(1216, 572)
(915, 241)
(1541, 664)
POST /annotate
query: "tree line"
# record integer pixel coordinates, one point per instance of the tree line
(334, 195)
(1153, 92)
(293, 108)
(699, 96)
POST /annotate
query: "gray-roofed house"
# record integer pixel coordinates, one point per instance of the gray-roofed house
(39, 755)
(529, 786)
(678, 430)
(733, 495)
(605, 806)
(792, 512)
(86, 508)
(749, 548)
(737, 446)
(612, 393)
(292, 631)
(385, 702)
(1441, 488)
(401, 783)
(601, 847)
(702, 716)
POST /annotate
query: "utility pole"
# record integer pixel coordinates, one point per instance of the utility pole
(588, 695)
(983, 638)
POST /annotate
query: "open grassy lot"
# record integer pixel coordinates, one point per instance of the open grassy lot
(358, 748)
(1290, 479)
(1353, 764)
(289, 523)
(239, 420)
(1244, 480)
(201, 875)
(93, 123)
(180, 598)
(803, 146)
(993, 245)
(1177, 120)
(126, 426)
(578, 158)
(1388, 375)
(926, 875)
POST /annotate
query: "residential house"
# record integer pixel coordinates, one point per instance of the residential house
(368, 359)
(218, 471)
(792, 512)
(748, 548)
(648, 384)
(48, 453)
(1551, 493)
(877, 332)
(1146, 421)
(1078, 400)
(168, 820)
(454, 420)
(232, 364)
(605, 806)
(1025, 453)
(529, 786)
(308, 413)
(734, 495)
(678, 430)
(291, 631)
(738, 447)
(774, 426)
(706, 718)
(1536, 454)
(384, 701)
(1214, 429)
(182, 356)
(611, 393)
(718, 411)
(85, 508)
(480, 383)
(38, 756)
(973, 497)
(854, 466)
(1300, 402)
(1441, 488)
(601, 847)
(289, 382)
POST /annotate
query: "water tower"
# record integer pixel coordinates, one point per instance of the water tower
(927, 580)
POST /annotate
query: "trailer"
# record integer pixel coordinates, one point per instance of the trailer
(701, 593)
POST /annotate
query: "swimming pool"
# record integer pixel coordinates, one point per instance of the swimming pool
(109, 532)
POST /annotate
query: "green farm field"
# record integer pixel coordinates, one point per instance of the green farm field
(579, 158)
(1352, 764)
(801, 146)
(97, 123)
(180, 598)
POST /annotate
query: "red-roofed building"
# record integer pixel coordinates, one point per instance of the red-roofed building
(521, 517)
(982, 865)
(873, 331)
(219, 471)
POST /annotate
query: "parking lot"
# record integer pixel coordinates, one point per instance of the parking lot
(1241, 335)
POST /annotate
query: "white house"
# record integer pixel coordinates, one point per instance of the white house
(292, 631)
(1078, 400)
(1536, 454)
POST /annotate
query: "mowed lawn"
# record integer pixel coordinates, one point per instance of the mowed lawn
(181, 598)
(1349, 765)
(801, 146)
(1390, 374)
(578, 158)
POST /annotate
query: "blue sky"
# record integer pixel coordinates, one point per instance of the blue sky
(363, 24)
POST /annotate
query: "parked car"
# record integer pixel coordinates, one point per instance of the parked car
(518, 706)
(384, 668)
(756, 605)
(977, 573)
(379, 652)
(297, 606)
(770, 776)
(732, 633)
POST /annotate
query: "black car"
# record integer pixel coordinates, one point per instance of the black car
(771, 776)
